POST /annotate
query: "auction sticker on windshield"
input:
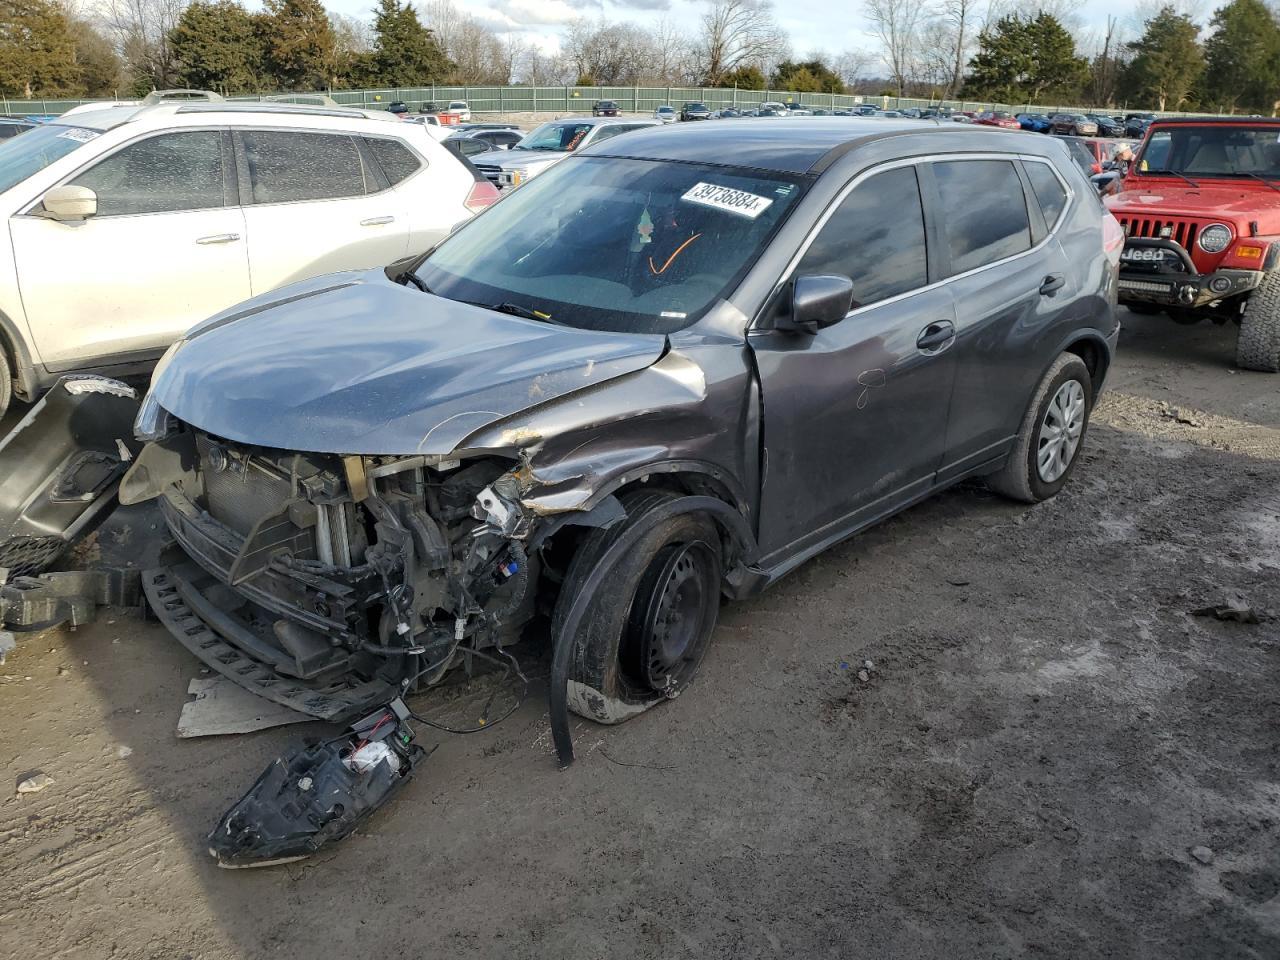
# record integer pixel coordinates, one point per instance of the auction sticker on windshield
(727, 199)
(79, 134)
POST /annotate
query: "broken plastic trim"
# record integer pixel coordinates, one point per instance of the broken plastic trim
(318, 792)
(558, 692)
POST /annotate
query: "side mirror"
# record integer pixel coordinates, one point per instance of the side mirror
(70, 203)
(817, 302)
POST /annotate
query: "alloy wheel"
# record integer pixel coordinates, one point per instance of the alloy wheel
(1060, 431)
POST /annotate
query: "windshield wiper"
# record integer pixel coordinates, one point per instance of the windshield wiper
(1176, 174)
(1257, 176)
(411, 277)
(515, 309)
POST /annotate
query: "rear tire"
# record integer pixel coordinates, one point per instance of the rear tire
(643, 638)
(1258, 343)
(1051, 436)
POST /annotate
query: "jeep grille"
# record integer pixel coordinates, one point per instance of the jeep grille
(1181, 232)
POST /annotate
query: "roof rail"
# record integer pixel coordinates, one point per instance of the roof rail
(161, 96)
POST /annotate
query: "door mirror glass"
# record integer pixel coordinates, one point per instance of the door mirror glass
(818, 302)
(70, 203)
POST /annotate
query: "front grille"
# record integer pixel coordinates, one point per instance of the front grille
(239, 490)
(1182, 232)
(494, 174)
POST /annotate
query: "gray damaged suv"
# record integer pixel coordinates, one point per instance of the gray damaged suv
(669, 370)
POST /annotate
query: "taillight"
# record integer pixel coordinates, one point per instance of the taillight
(483, 193)
(1112, 236)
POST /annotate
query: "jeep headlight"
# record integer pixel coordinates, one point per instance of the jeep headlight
(1214, 238)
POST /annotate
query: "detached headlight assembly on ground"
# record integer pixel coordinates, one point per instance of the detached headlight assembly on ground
(1215, 238)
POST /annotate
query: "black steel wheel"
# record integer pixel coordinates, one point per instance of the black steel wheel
(667, 633)
(643, 637)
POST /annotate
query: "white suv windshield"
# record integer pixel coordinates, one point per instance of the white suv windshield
(605, 243)
(30, 153)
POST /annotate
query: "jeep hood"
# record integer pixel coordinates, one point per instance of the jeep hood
(1212, 200)
(355, 364)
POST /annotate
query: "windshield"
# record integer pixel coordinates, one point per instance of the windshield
(30, 153)
(636, 246)
(1223, 150)
(560, 137)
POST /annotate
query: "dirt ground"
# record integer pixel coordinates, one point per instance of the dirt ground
(1045, 734)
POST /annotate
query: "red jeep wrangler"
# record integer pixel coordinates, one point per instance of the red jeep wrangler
(1200, 207)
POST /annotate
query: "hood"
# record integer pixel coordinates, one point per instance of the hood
(510, 159)
(1212, 200)
(355, 364)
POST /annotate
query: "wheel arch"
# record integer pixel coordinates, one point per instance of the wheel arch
(1092, 348)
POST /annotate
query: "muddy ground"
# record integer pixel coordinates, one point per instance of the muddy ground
(1045, 735)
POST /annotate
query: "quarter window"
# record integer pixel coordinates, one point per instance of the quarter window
(398, 162)
(875, 237)
(984, 211)
(173, 171)
(1048, 190)
(287, 167)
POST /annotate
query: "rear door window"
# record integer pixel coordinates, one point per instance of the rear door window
(984, 211)
(162, 174)
(293, 166)
(1049, 191)
(875, 238)
(398, 162)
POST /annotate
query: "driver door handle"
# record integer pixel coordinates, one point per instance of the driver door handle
(377, 221)
(936, 337)
(219, 238)
(1052, 284)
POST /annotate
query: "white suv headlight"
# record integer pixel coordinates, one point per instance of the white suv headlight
(1214, 238)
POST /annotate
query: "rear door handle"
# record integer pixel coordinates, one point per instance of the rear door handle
(219, 238)
(1052, 284)
(377, 221)
(936, 337)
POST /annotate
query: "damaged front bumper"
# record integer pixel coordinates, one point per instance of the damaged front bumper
(328, 584)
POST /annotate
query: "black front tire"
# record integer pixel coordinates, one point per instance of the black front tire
(1021, 477)
(645, 635)
(1258, 343)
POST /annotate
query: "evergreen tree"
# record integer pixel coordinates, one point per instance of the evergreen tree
(1025, 59)
(405, 53)
(100, 68)
(749, 77)
(812, 76)
(1167, 61)
(1242, 58)
(37, 51)
(300, 44)
(220, 46)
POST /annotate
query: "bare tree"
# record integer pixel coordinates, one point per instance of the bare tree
(673, 52)
(608, 53)
(960, 15)
(895, 22)
(736, 33)
(141, 29)
(851, 66)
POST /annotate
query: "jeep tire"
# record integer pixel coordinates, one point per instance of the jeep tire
(1023, 476)
(644, 635)
(1258, 343)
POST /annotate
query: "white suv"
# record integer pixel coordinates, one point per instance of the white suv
(129, 224)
